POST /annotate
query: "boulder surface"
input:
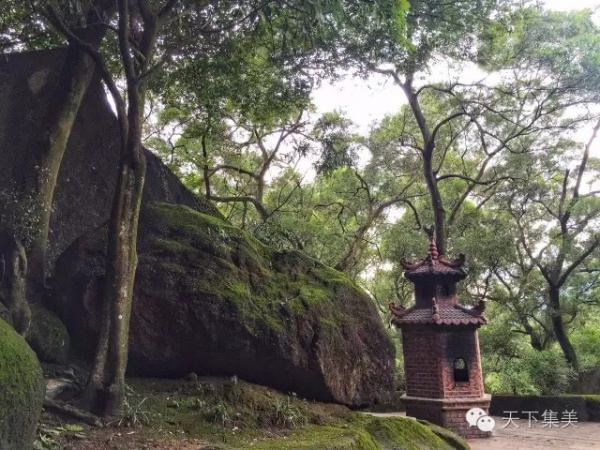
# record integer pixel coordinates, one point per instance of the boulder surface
(212, 300)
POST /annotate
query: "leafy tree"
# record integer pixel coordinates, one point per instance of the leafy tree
(556, 223)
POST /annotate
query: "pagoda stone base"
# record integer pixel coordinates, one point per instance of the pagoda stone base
(449, 413)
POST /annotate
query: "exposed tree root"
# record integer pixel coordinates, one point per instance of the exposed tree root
(71, 411)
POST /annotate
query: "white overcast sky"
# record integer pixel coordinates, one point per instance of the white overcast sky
(367, 101)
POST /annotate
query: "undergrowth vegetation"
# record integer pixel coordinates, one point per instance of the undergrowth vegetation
(227, 413)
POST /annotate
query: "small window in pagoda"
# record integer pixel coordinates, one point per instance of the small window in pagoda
(461, 371)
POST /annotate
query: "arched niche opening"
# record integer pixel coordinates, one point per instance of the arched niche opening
(461, 371)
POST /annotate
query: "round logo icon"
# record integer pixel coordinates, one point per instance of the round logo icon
(486, 423)
(477, 417)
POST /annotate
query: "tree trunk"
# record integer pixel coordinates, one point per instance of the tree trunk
(205, 168)
(437, 205)
(106, 383)
(559, 328)
(348, 261)
(62, 111)
(78, 70)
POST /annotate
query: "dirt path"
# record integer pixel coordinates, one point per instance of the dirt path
(586, 436)
(583, 436)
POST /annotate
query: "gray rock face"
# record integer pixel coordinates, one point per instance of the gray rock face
(87, 177)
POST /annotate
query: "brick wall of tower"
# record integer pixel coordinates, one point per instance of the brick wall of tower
(422, 361)
(454, 418)
(448, 413)
(429, 356)
(432, 392)
(461, 342)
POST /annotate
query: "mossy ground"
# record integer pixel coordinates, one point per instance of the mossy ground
(229, 414)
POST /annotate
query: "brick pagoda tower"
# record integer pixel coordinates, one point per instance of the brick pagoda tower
(442, 363)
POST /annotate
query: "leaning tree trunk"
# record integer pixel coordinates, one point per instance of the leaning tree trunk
(348, 261)
(437, 205)
(559, 328)
(62, 111)
(78, 70)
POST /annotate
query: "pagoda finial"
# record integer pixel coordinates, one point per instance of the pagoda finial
(435, 310)
(433, 251)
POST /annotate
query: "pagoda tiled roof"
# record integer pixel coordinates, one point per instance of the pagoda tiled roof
(433, 265)
(443, 315)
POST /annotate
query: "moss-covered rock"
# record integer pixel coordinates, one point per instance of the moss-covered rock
(447, 435)
(21, 391)
(392, 433)
(211, 299)
(408, 434)
(48, 336)
(322, 437)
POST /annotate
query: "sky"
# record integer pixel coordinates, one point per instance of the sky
(365, 102)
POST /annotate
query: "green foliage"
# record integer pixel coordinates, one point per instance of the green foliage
(49, 438)
(586, 336)
(134, 414)
(564, 45)
(338, 145)
(288, 415)
(219, 413)
(21, 28)
(512, 366)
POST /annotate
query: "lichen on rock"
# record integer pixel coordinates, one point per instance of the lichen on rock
(21, 391)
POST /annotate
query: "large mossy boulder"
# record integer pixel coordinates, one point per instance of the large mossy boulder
(212, 300)
(21, 391)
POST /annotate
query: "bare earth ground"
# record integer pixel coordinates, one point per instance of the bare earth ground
(585, 436)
